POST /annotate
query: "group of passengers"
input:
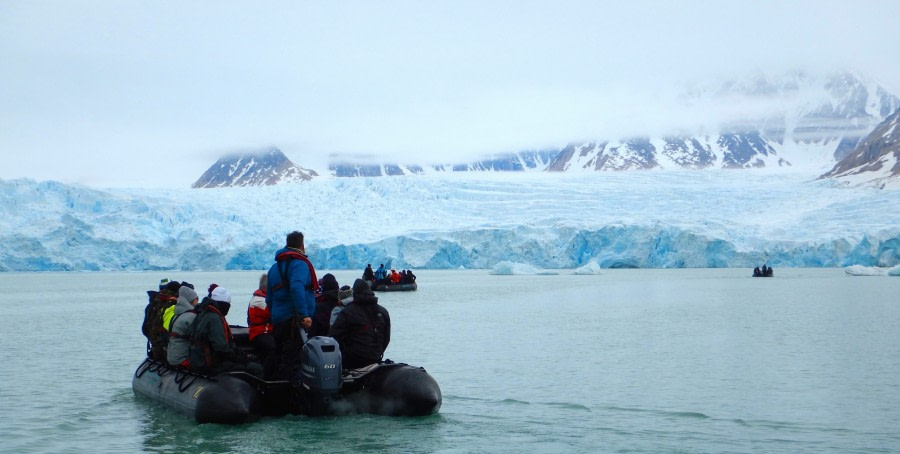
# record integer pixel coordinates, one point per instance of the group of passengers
(765, 271)
(287, 307)
(382, 276)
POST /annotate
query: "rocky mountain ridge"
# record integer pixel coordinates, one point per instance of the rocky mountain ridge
(875, 160)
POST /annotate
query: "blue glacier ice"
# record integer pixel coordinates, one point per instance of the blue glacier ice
(642, 219)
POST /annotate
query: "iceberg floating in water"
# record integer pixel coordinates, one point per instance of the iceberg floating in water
(511, 268)
(859, 270)
(591, 268)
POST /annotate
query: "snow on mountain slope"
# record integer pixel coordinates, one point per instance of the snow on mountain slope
(547, 220)
(875, 160)
(264, 168)
(794, 119)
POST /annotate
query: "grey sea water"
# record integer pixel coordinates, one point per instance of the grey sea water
(685, 360)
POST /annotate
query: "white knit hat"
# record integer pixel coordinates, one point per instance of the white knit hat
(221, 294)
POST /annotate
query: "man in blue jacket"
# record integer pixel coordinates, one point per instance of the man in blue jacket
(290, 295)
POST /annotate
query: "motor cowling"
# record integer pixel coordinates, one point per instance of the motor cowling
(320, 374)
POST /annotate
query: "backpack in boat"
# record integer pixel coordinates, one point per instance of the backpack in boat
(153, 329)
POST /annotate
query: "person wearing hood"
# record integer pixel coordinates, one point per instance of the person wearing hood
(325, 303)
(290, 295)
(212, 349)
(179, 327)
(362, 329)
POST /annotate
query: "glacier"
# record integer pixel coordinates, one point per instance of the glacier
(638, 219)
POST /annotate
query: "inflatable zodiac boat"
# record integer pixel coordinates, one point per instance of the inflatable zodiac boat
(387, 388)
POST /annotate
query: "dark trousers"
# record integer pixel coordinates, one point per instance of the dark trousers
(265, 348)
(290, 350)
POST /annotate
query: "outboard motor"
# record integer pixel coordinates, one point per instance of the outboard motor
(320, 374)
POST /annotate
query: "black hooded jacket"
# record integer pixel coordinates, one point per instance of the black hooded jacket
(362, 330)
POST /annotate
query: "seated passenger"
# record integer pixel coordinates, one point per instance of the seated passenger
(395, 277)
(169, 313)
(213, 350)
(362, 329)
(153, 327)
(259, 322)
(346, 297)
(180, 327)
(325, 304)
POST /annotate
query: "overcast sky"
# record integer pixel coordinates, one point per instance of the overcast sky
(151, 93)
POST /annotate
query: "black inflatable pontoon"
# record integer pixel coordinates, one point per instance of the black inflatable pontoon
(392, 389)
(395, 287)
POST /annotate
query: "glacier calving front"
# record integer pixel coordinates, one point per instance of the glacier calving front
(660, 219)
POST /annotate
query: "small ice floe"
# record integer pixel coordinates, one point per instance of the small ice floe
(859, 270)
(591, 267)
(510, 268)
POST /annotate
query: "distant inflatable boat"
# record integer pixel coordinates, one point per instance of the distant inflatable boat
(395, 287)
(391, 389)
(766, 272)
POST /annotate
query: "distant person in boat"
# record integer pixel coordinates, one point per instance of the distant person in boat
(259, 322)
(362, 329)
(411, 276)
(757, 272)
(153, 327)
(180, 327)
(395, 277)
(325, 303)
(291, 298)
(213, 350)
(368, 274)
(380, 273)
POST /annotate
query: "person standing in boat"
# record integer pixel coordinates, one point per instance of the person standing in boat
(362, 329)
(213, 350)
(368, 274)
(259, 323)
(290, 295)
(180, 327)
(380, 273)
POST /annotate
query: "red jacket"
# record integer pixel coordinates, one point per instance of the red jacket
(259, 317)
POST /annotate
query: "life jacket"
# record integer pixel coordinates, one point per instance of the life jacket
(284, 264)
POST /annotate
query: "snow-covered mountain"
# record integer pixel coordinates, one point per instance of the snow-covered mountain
(264, 168)
(796, 119)
(875, 160)
(509, 162)
(660, 219)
